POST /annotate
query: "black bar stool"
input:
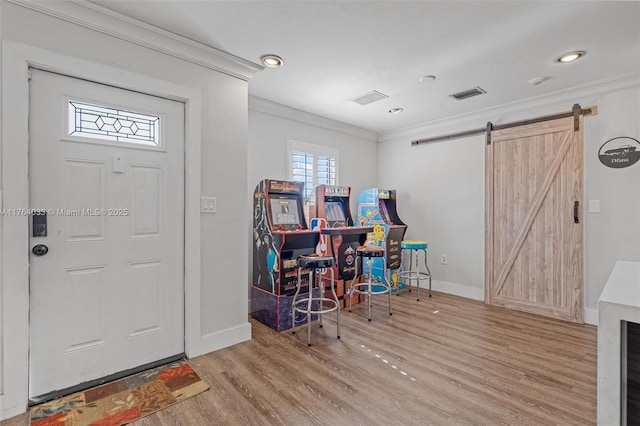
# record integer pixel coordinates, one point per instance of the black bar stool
(317, 304)
(413, 272)
(369, 252)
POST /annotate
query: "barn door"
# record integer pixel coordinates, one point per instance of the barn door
(533, 255)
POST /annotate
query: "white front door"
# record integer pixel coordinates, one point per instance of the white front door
(107, 165)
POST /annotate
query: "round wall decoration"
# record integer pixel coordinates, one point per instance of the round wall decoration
(620, 152)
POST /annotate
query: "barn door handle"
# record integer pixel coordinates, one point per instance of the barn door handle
(575, 212)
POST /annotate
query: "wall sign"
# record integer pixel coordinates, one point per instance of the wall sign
(620, 152)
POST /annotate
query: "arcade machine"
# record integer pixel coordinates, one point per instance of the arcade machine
(339, 238)
(280, 236)
(377, 208)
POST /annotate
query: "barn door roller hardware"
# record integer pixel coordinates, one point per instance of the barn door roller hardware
(575, 112)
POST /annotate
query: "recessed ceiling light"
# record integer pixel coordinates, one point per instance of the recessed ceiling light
(395, 110)
(426, 78)
(271, 61)
(570, 57)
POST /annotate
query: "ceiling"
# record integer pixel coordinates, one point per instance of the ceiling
(335, 51)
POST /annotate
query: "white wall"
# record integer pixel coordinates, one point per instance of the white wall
(441, 186)
(614, 233)
(440, 189)
(272, 125)
(222, 116)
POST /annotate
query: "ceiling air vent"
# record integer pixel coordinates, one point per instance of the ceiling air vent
(468, 93)
(369, 98)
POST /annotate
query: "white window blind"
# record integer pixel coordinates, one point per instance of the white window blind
(312, 164)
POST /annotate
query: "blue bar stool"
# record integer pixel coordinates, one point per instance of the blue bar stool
(413, 272)
(317, 304)
(369, 252)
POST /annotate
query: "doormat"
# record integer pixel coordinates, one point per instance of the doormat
(124, 400)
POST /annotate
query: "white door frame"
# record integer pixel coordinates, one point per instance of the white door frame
(14, 194)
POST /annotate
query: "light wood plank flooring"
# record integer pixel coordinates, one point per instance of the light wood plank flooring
(440, 361)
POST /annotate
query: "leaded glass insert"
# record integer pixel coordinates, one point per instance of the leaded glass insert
(111, 124)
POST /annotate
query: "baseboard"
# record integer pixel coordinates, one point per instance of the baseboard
(591, 316)
(458, 290)
(224, 338)
(7, 413)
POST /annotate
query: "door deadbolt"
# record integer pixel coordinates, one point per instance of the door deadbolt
(40, 250)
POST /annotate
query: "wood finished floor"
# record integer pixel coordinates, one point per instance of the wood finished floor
(440, 361)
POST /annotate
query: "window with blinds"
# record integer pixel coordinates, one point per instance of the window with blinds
(314, 165)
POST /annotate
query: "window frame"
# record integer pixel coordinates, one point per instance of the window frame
(315, 150)
(69, 136)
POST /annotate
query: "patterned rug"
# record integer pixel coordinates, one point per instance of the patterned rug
(122, 401)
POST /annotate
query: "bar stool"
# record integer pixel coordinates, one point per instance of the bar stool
(369, 252)
(414, 272)
(318, 304)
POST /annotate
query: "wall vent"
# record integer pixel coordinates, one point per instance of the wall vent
(468, 93)
(369, 98)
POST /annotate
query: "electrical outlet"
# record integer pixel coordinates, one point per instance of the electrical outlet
(444, 260)
(208, 205)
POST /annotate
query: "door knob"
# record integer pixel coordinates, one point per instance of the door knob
(40, 250)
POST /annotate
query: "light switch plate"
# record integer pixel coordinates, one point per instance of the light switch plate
(208, 204)
(594, 206)
(118, 164)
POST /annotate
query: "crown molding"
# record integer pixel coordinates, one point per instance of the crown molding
(478, 118)
(279, 110)
(106, 21)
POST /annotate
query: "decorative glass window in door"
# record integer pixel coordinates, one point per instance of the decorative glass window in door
(111, 124)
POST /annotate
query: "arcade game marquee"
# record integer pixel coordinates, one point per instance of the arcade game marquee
(377, 208)
(339, 238)
(280, 236)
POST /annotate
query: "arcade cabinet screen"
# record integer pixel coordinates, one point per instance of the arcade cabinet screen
(384, 213)
(333, 211)
(284, 211)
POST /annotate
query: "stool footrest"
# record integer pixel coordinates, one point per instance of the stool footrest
(413, 275)
(317, 311)
(364, 290)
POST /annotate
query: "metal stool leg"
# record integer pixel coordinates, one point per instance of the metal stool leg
(410, 268)
(337, 301)
(386, 277)
(351, 288)
(370, 263)
(428, 271)
(317, 278)
(389, 288)
(400, 270)
(310, 304)
(417, 277)
(293, 305)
